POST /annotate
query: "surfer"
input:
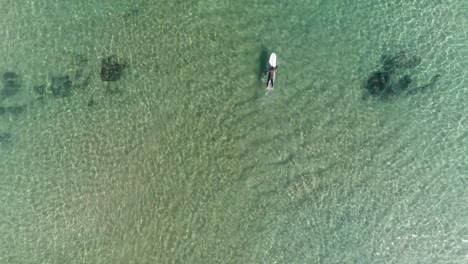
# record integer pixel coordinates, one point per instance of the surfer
(271, 77)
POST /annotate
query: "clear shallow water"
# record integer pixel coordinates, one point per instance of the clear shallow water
(190, 163)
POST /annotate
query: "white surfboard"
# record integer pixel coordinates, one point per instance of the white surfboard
(272, 60)
(272, 74)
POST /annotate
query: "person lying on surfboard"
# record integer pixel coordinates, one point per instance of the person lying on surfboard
(271, 78)
(271, 71)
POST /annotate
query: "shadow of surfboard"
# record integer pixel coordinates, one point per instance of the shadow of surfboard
(262, 61)
(262, 64)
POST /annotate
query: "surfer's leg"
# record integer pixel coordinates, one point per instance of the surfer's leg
(269, 79)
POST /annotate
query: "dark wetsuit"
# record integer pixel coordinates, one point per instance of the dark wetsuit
(271, 74)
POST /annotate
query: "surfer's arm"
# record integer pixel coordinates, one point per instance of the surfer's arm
(271, 69)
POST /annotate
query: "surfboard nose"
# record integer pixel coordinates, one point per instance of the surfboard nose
(272, 60)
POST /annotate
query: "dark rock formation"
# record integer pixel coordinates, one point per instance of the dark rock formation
(11, 84)
(112, 69)
(61, 86)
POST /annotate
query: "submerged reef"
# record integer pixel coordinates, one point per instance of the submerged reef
(393, 77)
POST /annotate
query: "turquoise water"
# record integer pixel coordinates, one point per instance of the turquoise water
(185, 160)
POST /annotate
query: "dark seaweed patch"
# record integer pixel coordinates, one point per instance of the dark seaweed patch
(378, 83)
(15, 110)
(112, 69)
(399, 61)
(5, 137)
(392, 78)
(61, 86)
(91, 102)
(40, 89)
(11, 84)
(404, 82)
